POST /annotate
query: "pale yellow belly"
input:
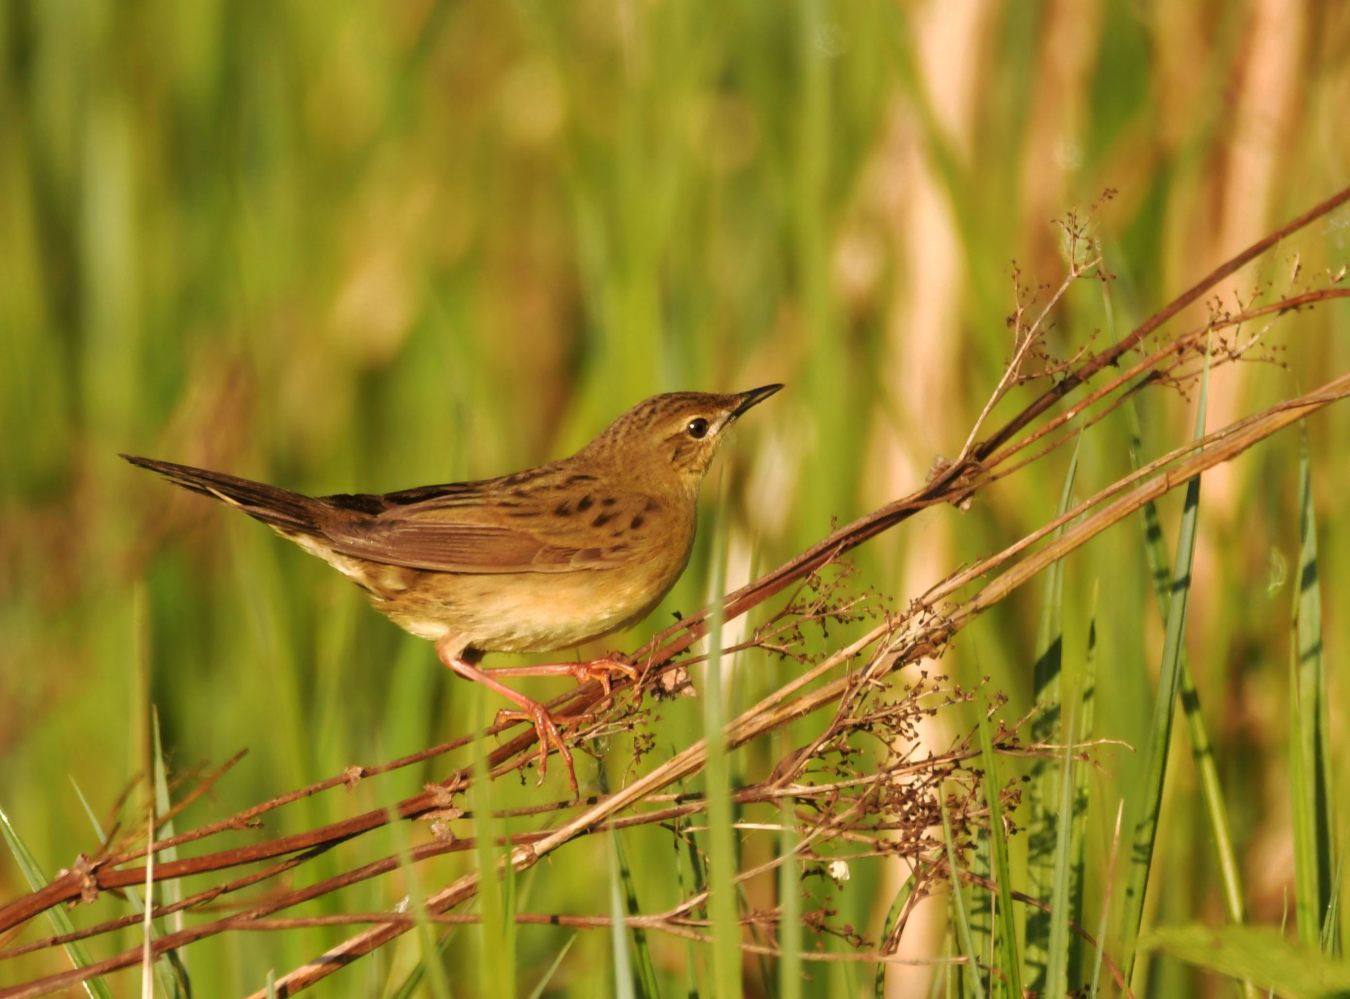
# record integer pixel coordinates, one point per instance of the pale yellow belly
(529, 612)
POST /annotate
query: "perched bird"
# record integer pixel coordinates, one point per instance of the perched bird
(535, 561)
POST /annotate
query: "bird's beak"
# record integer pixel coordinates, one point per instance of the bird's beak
(755, 395)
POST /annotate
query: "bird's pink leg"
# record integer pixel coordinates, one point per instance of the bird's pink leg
(601, 670)
(545, 728)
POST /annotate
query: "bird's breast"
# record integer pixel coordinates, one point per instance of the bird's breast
(637, 565)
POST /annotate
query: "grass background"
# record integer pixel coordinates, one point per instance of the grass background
(366, 247)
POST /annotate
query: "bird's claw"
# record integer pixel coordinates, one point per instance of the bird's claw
(549, 737)
(602, 671)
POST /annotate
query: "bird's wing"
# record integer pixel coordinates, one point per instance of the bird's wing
(452, 547)
(459, 531)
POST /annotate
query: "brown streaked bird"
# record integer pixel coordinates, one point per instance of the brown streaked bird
(537, 561)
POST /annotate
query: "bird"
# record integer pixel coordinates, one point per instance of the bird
(540, 560)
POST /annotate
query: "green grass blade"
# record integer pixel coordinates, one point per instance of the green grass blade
(1331, 936)
(1009, 959)
(538, 990)
(621, 963)
(430, 966)
(1104, 916)
(1202, 751)
(697, 875)
(981, 906)
(1169, 682)
(790, 972)
(1310, 777)
(622, 901)
(721, 839)
(497, 937)
(646, 969)
(147, 923)
(411, 986)
(171, 892)
(1261, 955)
(173, 982)
(1086, 701)
(60, 920)
(1303, 817)
(960, 912)
(1057, 970)
(1042, 827)
(1211, 789)
(1212, 796)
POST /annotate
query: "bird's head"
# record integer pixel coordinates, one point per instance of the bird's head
(676, 434)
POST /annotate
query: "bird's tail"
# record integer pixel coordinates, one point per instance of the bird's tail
(279, 508)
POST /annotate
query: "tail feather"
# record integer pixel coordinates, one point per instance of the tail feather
(279, 508)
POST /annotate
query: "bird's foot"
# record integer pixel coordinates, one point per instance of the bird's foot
(603, 671)
(547, 734)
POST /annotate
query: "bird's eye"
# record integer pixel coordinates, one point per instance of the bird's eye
(697, 428)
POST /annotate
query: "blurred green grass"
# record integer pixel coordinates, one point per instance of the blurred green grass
(343, 247)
